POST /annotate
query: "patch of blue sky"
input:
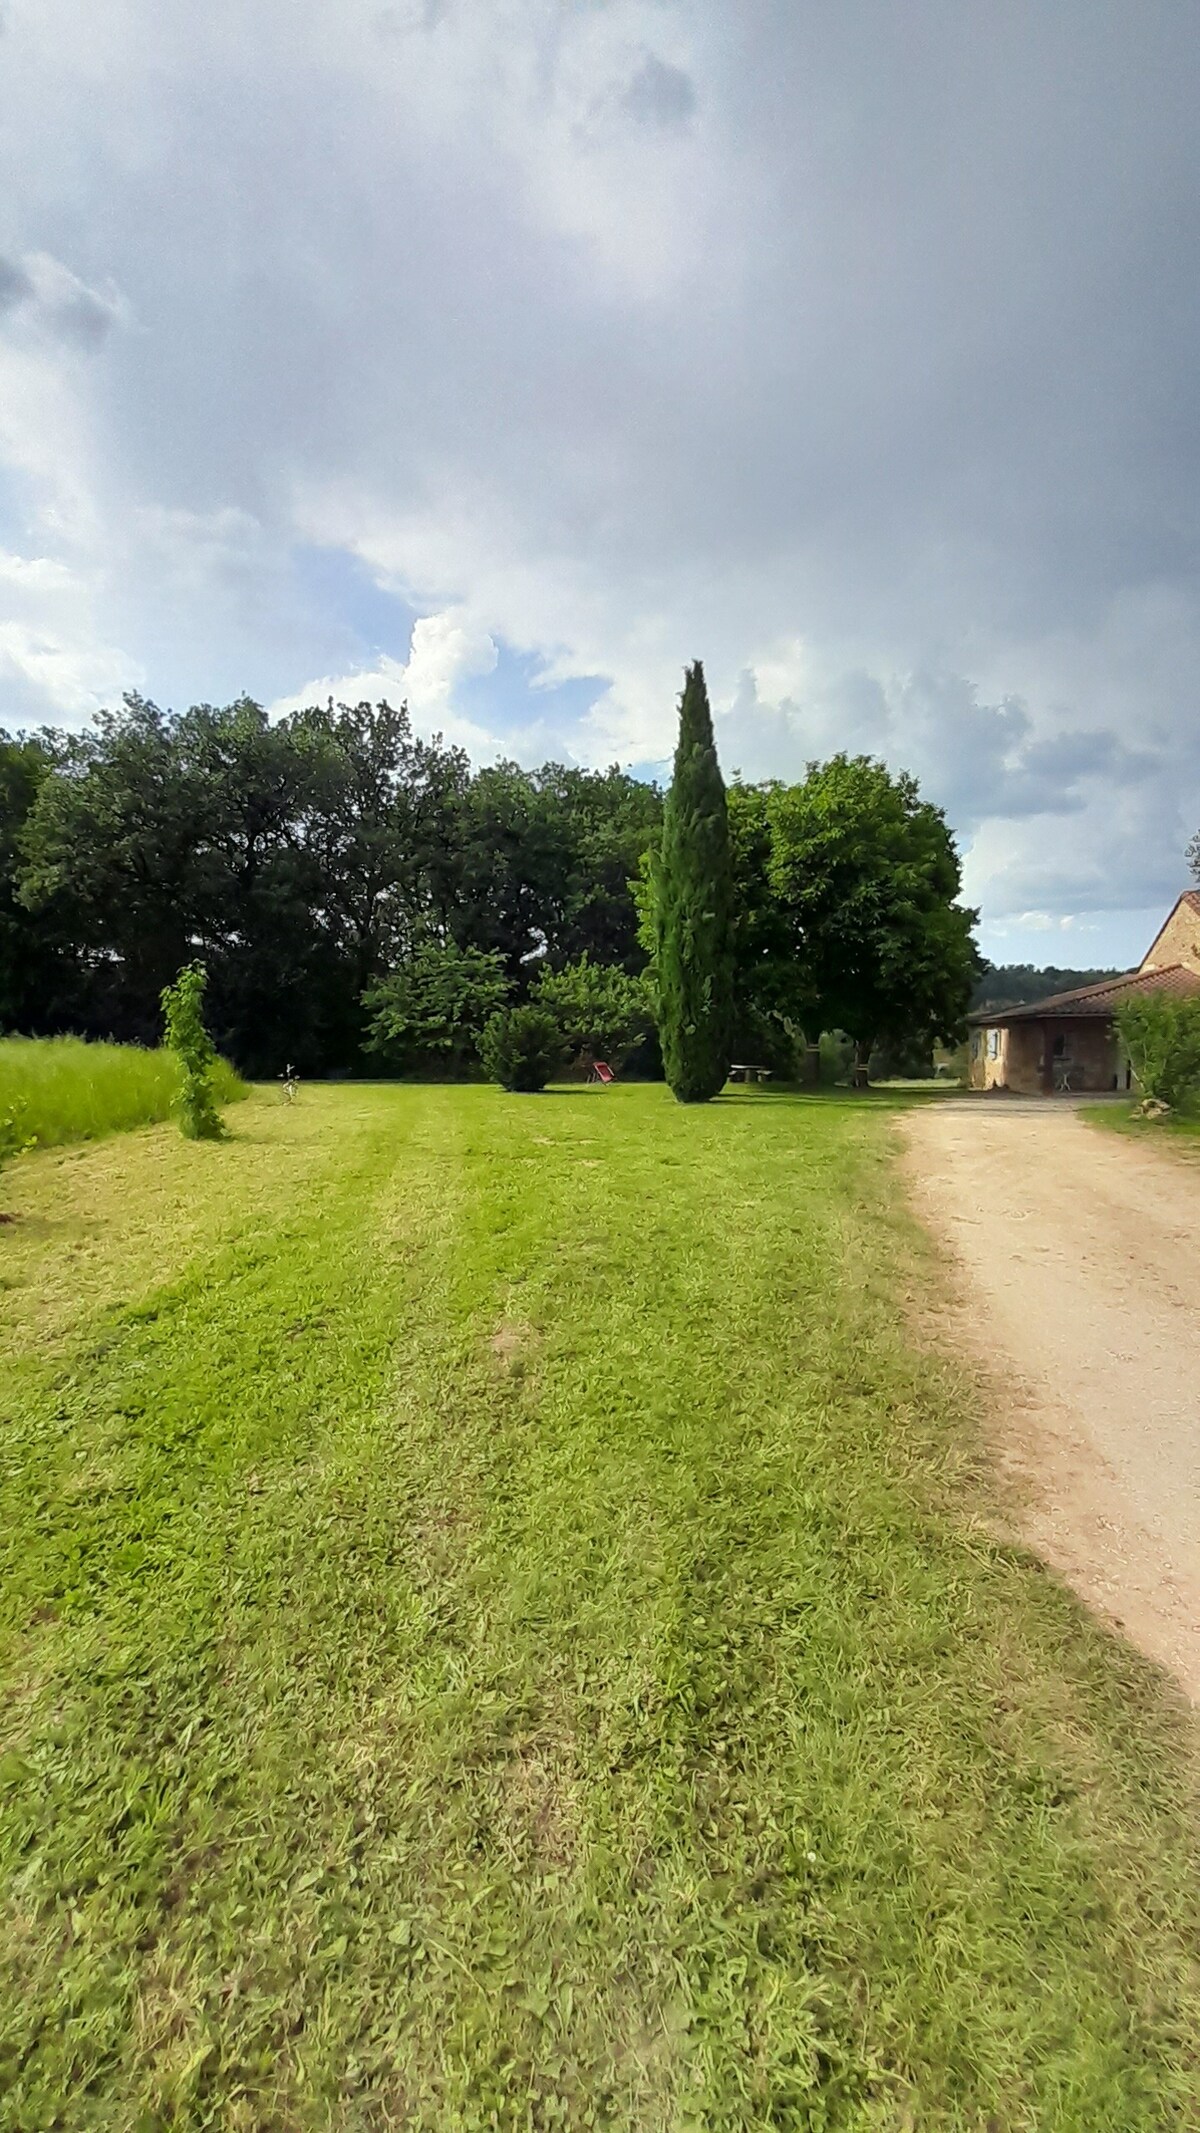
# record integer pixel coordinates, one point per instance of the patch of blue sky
(358, 618)
(514, 701)
(1100, 940)
(651, 773)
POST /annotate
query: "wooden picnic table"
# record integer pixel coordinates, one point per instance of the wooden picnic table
(739, 1071)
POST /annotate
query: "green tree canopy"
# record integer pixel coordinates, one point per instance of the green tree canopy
(545, 863)
(307, 858)
(868, 878)
(39, 958)
(431, 1010)
(770, 1006)
(300, 858)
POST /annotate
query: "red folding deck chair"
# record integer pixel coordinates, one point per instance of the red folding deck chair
(601, 1073)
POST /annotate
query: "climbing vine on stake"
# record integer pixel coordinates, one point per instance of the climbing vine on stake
(183, 1012)
(14, 1140)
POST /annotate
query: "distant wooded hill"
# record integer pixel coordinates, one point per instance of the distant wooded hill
(1012, 984)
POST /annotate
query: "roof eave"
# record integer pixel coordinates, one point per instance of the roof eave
(1094, 1003)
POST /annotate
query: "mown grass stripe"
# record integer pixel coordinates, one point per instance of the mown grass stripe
(562, 1686)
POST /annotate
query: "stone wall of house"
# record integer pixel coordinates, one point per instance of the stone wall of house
(1012, 1057)
(1009, 1057)
(1179, 941)
(1091, 1048)
(988, 1059)
(1021, 1058)
(979, 1061)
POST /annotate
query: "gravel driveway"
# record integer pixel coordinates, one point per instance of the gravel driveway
(1076, 1259)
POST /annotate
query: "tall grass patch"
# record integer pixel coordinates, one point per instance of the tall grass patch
(66, 1089)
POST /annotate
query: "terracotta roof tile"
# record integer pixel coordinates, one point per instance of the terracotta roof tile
(1094, 1000)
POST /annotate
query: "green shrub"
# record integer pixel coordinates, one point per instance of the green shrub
(60, 1089)
(521, 1047)
(1162, 1037)
(183, 1012)
(602, 1012)
(430, 1011)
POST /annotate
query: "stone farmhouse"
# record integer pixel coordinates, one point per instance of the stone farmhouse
(1070, 1041)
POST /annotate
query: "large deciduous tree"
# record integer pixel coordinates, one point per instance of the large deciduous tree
(381, 803)
(299, 858)
(160, 836)
(868, 877)
(693, 909)
(39, 958)
(609, 819)
(115, 848)
(772, 1009)
(545, 860)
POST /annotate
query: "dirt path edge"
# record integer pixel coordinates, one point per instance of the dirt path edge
(1072, 1283)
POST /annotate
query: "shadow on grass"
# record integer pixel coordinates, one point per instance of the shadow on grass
(841, 1098)
(776, 1093)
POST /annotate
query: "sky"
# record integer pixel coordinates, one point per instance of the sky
(505, 355)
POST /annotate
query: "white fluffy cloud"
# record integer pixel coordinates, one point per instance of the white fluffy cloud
(444, 651)
(55, 662)
(45, 677)
(852, 350)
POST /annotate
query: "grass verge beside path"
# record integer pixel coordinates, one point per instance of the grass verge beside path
(499, 1640)
(1182, 1134)
(65, 1089)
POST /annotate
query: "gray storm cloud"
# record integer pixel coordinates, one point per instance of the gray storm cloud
(661, 94)
(15, 285)
(635, 332)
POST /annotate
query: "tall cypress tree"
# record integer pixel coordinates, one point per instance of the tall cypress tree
(694, 909)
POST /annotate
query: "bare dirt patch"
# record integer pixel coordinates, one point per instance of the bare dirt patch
(512, 1346)
(542, 1808)
(1076, 1281)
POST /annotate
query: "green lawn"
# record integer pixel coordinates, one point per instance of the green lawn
(1180, 1132)
(499, 1632)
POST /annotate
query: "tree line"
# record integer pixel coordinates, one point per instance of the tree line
(1020, 984)
(364, 899)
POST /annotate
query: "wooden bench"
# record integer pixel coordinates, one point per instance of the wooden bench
(739, 1071)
